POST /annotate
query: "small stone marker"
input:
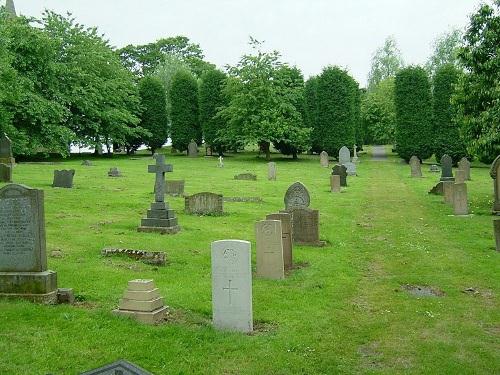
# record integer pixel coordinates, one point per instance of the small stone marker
(204, 204)
(416, 169)
(496, 229)
(437, 189)
(221, 162)
(246, 176)
(114, 172)
(118, 368)
(306, 227)
(434, 168)
(464, 165)
(448, 191)
(271, 171)
(323, 159)
(175, 188)
(5, 172)
(23, 258)
(460, 203)
(495, 175)
(269, 249)
(87, 163)
(297, 196)
(335, 183)
(286, 234)
(344, 155)
(142, 301)
(340, 170)
(459, 176)
(232, 285)
(355, 158)
(63, 178)
(447, 168)
(6, 150)
(192, 149)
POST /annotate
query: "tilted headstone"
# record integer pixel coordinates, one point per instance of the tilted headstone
(118, 368)
(335, 183)
(340, 170)
(496, 230)
(271, 171)
(63, 178)
(232, 285)
(204, 204)
(286, 233)
(460, 202)
(23, 259)
(160, 218)
(437, 189)
(305, 227)
(344, 155)
(192, 149)
(323, 159)
(6, 150)
(297, 196)
(464, 165)
(246, 176)
(459, 176)
(448, 191)
(355, 158)
(5, 172)
(447, 168)
(175, 187)
(269, 249)
(495, 175)
(114, 172)
(416, 169)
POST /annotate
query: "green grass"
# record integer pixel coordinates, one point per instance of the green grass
(341, 312)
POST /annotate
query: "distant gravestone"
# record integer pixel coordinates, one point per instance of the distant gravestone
(335, 183)
(340, 170)
(192, 149)
(232, 285)
(460, 203)
(306, 227)
(447, 168)
(118, 368)
(416, 169)
(23, 259)
(6, 150)
(350, 169)
(448, 191)
(63, 178)
(496, 229)
(434, 168)
(246, 176)
(297, 196)
(269, 249)
(271, 171)
(175, 187)
(344, 155)
(323, 159)
(87, 163)
(495, 175)
(5, 172)
(287, 239)
(114, 172)
(459, 176)
(204, 204)
(464, 165)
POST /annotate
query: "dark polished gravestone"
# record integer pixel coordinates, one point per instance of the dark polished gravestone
(5, 172)
(120, 367)
(204, 204)
(495, 175)
(6, 150)
(340, 170)
(447, 168)
(160, 218)
(23, 259)
(63, 178)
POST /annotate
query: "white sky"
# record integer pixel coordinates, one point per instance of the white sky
(309, 33)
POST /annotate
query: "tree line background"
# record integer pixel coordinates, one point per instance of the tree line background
(62, 83)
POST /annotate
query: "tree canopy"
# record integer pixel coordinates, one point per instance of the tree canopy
(386, 62)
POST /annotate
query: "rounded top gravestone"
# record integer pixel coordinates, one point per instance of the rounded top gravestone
(344, 155)
(297, 196)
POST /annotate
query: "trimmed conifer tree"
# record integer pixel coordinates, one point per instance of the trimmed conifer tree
(184, 116)
(311, 111)
(412, 97)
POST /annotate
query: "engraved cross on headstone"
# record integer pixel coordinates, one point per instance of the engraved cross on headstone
(229, 290)
(159, 169)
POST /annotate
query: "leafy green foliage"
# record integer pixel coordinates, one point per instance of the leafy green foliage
(478, 95)
(185, 122)
(311, 111)
(412, 96)
(386, 62)
(446, 132)
(446, 48)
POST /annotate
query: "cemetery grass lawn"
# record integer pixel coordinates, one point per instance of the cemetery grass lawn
(341, 311)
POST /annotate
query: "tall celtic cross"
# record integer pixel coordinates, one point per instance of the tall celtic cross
(160, 168)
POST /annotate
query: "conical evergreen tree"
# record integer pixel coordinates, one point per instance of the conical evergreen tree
(11, 9)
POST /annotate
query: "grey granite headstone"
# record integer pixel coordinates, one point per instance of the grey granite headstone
(114, 172)
(6, 150)
(192, 149)
(323, 159)
(340, 170)
(350, 169)
(271, 171)
(287, 238)
(5, 172)
(297, 196)
(63, 178)
(416, 169)
(204, 204)
(246, 176)
(23, 259)
(460, 202)
(464, 165)
(496, 230)
(305, 227)
(118, 368)
(344, 155)
(175, 187)
(269, 249)
(495, 175)
(447, 168)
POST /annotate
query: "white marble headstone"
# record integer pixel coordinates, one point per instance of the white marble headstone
(344, 155)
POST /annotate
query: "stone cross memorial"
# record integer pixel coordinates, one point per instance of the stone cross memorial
(160, 218)
(340, 170)
(464, 165)
(63, 178)
(323, 159)
(495, 175)
(355, 158)
(416, 169)
(5, 172)
(271, 171)
(6, 150)
(232, 285)
(221, 162)
(269, 249)
(447, 168)
(286, 233)
(23, 259)
(192, 149)
(460, 204)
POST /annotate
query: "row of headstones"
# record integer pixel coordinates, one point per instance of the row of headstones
(344, 158)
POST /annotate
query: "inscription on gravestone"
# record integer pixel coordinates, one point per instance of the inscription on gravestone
(297, 196)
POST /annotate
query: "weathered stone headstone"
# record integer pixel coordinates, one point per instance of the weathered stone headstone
(416, 169)
(271, 171)
(350, 169)
(208, 151)
(460, 203)
(63, 178)
(23, 259)
(355, 158)
(335, 183)
(6, 150)
(269, 249)
(232, 285)
(305, 227)
(175, 187)
(286, 233)
(160, 218)
(459, 176)
(496, 230)
(434, 168)
(344, 155)
(204, 204)
(323, 159)
(221, 162)
(437, 189)
(495, 175)
(340, 170)
(464, 165)
(87, 163)
(192, 149)
(246, 176)
(118, 368)
(297, 196)
(448, 191)
(447, 168)
(114, 172)
(5, 172)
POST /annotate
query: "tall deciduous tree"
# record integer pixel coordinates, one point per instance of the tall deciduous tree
(386, 62)
(412, 94)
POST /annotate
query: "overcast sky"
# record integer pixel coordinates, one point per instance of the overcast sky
(309, 33)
